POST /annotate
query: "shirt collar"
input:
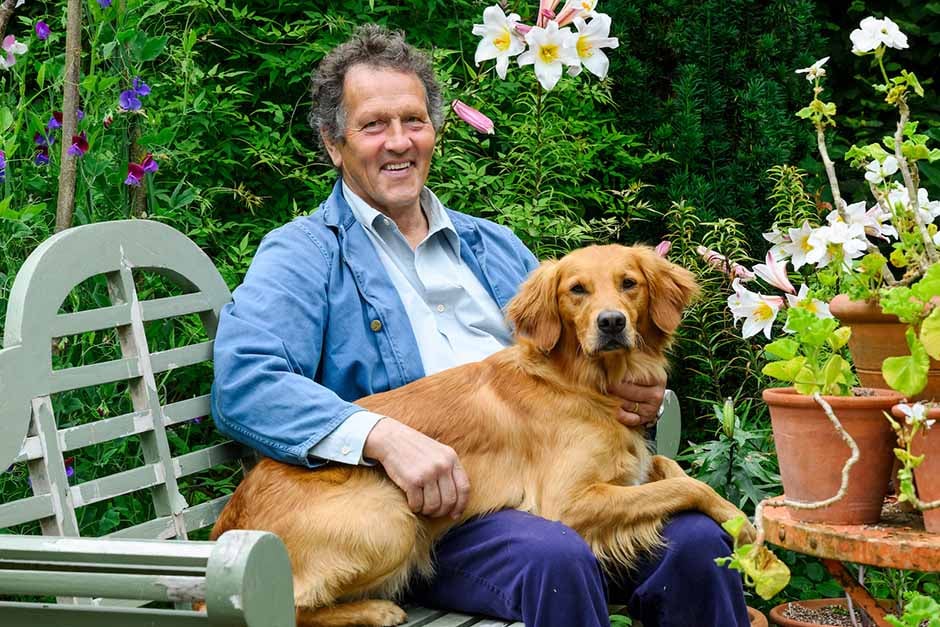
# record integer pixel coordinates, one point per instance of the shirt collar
(438, 219)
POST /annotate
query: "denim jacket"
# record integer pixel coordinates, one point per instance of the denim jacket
(318, 324)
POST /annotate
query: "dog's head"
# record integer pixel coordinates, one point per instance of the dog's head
(603, 299)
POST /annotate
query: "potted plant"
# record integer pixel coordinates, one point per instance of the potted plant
(915, 439)
(880, 258)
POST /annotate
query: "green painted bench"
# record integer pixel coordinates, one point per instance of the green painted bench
(149, 573)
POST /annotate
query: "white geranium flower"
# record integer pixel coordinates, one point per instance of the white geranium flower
(899, 200)
(758, 311)
(916, 413)
(873, 33)
(812, 305)
(799, 245)
(500, 40)
(591, 37)
(876, 172)
(814, 71)
(549, 49)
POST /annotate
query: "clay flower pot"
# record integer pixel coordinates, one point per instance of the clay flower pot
(927, 475)
(812, 453)
(757, 617)
(876, 336)
(777, 614)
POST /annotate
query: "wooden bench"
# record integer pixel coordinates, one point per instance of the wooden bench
(151, 572)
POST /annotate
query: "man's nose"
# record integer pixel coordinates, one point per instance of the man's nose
(396, 137)
(611, 322)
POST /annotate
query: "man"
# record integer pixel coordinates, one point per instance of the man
(383, 285)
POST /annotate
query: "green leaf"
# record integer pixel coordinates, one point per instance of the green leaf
(908, 375)
(151, 48)
(930, 333)
(6, 119)
(783, 348)
(784, 370)
(833, 371)
(839, 338)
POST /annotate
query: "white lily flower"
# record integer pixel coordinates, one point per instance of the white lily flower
(799, 245)
(592, 36)
(873, 33)
(899, 200)
(876, 172)
(779, 240)
(500, 40)
(872, 221)
(775, 274)
(549, 49)
(814, 71)
(758, 311)
(813, 305)
(576, 8)
(10, 47)
(828, 241)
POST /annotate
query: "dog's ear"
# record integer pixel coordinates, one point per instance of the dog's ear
(534, 311)
(671, 289)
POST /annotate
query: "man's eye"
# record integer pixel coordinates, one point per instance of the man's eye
(577, 288)
(416, 123)
(375, 126)
(627, 284)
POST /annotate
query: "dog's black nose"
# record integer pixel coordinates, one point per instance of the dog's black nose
(611, 322)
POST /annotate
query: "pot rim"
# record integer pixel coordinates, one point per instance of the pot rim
(848, 311)
(883, 398)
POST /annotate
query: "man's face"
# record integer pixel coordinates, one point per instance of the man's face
(389, 138)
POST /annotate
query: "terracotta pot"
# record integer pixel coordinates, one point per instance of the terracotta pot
(777, 617)
(876, 336)
(927, 475)
(757, 617)
(812, 453)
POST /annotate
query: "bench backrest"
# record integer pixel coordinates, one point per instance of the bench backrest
(36, 384)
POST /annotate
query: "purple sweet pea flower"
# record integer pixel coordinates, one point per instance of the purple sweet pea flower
(79, 145)
(149, 164)
(129, 101)
(55, 121)
(140, 88)
(3, 167)
(42, 30)
(43, 140)
(104, 4)
(69, 471)
(79, 115)
(42, 156)
(135, 174)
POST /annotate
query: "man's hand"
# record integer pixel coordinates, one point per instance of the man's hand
(641, 401)
(428, 472)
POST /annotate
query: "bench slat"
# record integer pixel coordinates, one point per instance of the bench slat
(101, 550)
(105, 430)
(91, 616)
(453, 620)
(25, 510)
(195, 517)
(117, 484)
(93, 375)
(181, 411)
(191, 463)
(118, 585)
(172, 306)
(420, 616)
(182, 356)
(91, 320)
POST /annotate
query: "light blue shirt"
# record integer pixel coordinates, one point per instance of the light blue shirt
(453, 317)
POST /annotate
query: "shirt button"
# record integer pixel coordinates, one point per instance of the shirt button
(441, 308)
(346, 450)
(376, 326)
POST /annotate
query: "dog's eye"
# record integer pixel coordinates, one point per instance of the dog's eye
(627, 284)
(577, 288)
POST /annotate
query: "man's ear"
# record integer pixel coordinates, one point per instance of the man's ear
(331, 148)
(671, 289)
(534, 311)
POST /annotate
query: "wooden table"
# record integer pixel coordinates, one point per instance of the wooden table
(898, 540)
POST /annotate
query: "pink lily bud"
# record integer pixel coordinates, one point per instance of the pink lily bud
(472, 117)
(522, 29)
(775, 274)
(546, 12)
(662, 248)
(720, 262)
(567, 16)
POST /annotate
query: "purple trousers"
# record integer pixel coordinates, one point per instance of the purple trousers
(517, 566)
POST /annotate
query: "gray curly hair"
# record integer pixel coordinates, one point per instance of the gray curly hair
(378, 47)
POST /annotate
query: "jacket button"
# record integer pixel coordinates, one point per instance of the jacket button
(376, 326)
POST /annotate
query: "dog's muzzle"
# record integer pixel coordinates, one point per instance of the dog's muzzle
(611, 327)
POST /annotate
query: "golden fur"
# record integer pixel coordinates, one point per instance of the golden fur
(534, 430)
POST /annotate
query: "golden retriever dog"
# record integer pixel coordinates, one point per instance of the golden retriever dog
(534, 430)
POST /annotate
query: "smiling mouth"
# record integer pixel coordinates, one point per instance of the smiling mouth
(398, 167)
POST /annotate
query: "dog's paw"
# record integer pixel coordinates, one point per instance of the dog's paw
(386, 614)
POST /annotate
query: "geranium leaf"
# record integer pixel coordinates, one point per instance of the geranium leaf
(908, 375)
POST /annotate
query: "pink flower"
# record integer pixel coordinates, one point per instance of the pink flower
(721, 263)
(662, 248)
(775, 274)
(473, 117)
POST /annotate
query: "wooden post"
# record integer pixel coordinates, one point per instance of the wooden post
(6, 12)
(65, 206)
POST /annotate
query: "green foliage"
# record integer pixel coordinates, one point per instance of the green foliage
(809, 358)
(759, 567)
(918, 611)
